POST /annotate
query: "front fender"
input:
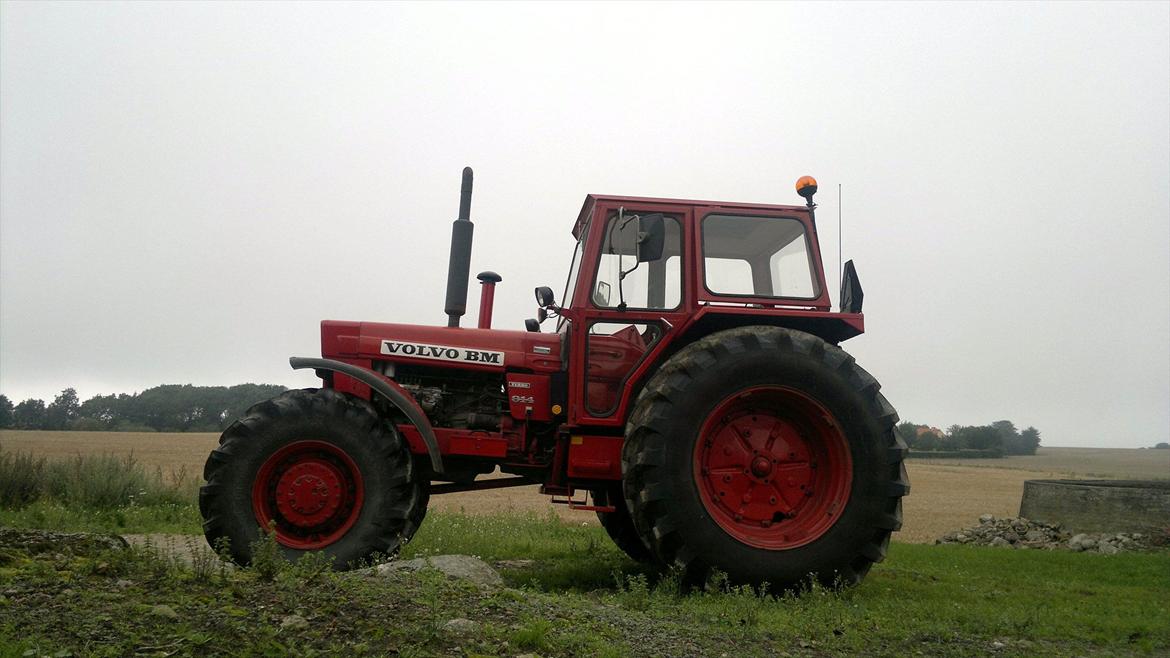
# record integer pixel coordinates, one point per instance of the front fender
(390, 390)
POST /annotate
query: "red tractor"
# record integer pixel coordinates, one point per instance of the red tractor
(692, 395)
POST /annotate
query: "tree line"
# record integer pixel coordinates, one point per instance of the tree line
(1000, 437)
(166, 408)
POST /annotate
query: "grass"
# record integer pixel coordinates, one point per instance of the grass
(580, 597)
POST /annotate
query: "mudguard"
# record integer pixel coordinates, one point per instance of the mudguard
(394, 393)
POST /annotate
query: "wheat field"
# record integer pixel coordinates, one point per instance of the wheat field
(945, 494)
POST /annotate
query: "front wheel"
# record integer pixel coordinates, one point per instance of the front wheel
(768, 454)
(320, 469)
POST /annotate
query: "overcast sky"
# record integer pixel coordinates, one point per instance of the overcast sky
(186, 190)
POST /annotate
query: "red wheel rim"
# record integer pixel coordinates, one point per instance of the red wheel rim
(312, 492)
(773, 467)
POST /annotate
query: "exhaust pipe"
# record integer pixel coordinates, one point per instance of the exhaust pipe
(487, 297)
(459, 265)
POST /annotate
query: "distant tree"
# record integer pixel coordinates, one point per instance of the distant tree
(983, 437)
(62, 411)
(1162, 446)
(99, 412)
(5, 412)
(29, 415)
(1009, 436)
(1029, 441)
(928, 441)
(953, 439)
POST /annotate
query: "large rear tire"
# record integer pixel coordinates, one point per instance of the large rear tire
(320, 468)
(768, 454)
(619, 525)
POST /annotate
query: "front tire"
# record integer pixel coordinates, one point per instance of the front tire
(320, 468)
(768, 454)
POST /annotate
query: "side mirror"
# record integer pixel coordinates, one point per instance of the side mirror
(532, 325)
(541, 315)
(545, 297)
(651, 237)
(601, 294)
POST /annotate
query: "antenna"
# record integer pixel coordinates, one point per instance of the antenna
(840, 240)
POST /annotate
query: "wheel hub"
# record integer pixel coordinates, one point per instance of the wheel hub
(311, 490)
(309, 493)
(757, 467)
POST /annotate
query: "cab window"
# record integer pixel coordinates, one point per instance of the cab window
(655, 284)
(757, 257)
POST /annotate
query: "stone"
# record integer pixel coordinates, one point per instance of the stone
(1108, 549)
(460, 626)
(294, 623)
(1035, 536)
(514, 564)
(165, 611)
(986, 518)
(45, 541)
(456, 566)
(1000, 541)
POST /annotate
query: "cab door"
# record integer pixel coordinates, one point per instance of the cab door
(629, 306)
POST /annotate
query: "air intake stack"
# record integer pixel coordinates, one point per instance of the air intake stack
(459, 265)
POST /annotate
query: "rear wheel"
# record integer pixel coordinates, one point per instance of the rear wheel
(768, 454)
(319, 468)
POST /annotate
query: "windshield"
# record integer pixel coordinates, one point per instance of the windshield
(574, 270)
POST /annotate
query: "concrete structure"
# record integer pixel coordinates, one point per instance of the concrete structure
(1099, 505)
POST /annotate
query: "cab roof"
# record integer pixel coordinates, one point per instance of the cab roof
(593, 199)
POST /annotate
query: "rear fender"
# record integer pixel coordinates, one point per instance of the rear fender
(388, 389)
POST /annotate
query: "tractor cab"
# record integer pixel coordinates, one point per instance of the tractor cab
(646, 269)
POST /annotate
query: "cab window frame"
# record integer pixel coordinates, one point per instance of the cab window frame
(702, 257)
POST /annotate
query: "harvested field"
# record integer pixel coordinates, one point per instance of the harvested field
(946, 494)
(1117, 463)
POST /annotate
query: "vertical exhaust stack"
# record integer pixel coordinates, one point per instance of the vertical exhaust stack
(459, 265)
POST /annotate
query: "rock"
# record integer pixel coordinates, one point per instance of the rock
(294, 623)
(514, 564)
(1024, 533)
(455, 566)
(165, 611)
(460, 626)
(122, 583)
(45, 541)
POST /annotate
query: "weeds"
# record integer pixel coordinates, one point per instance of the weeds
(98, 482)
(267, 559)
